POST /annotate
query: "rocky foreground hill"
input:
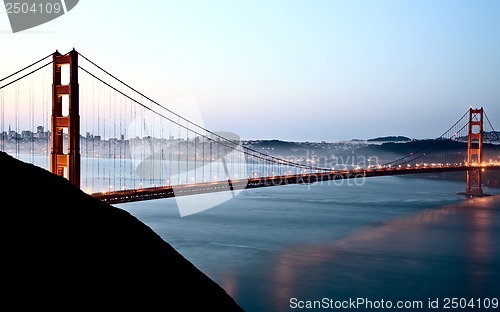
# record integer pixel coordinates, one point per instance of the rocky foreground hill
(64, 250)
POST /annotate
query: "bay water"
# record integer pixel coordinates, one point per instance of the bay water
(400, 243)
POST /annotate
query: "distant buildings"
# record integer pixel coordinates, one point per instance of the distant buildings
(25, 135)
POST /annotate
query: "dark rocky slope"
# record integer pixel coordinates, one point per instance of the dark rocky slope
(62, 249)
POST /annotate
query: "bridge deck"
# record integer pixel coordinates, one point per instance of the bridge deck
(125, 196)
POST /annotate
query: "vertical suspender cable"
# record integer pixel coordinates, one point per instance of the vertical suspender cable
(3, 122)
(179, 154)
(16, 127)
(170, 151)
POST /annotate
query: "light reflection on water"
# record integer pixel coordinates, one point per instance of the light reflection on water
(446, 251)
(391, 239)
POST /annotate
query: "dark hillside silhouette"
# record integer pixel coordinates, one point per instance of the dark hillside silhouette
(63, 249)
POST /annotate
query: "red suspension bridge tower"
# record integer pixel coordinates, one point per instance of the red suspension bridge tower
(474, 154)
(66, 165)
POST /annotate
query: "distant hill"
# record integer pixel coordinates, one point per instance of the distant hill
(488, 136)
(274, 144)
(423, 145)
(390, 139)
(493, 136)
(65, 250)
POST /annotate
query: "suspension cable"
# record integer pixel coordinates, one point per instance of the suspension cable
(31, 72)
(17, 72)
(412, 156)
(249, 152)
(190, 122)
(494, 133)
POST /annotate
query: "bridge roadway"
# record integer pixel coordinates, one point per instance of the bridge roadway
(132, 195)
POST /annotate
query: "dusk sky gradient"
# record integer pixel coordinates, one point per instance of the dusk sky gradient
(290, 70)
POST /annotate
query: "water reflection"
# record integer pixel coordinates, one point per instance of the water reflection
(229, 283)
(447, 251)
(480, 247)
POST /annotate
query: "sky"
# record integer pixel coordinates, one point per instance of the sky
(290, 70)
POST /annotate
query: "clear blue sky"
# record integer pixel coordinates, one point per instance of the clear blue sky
(291, 70)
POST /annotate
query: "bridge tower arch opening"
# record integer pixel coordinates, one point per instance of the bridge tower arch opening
(65, 119)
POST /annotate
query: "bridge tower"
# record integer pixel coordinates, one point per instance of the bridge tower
(67, 97)
(474, 153)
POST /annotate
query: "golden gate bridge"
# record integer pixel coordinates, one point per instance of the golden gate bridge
(69, 115)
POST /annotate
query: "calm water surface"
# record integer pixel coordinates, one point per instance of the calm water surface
(390, 239)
